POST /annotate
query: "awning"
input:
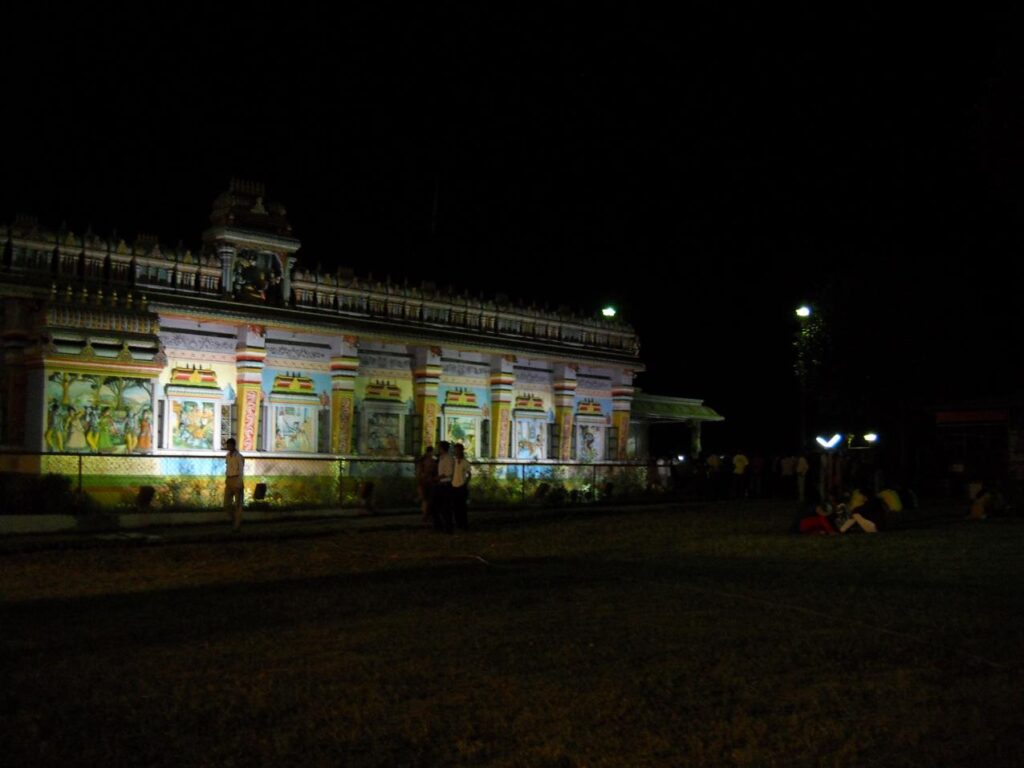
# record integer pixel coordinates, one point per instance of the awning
(655, 409)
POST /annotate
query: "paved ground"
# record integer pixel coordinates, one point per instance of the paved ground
(294, 528)
(320, 523)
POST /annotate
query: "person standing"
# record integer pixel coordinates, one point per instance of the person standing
(443, 489)
(426, 479)
(461, 474)
(739, 475)
(234, 483)
(802, 468)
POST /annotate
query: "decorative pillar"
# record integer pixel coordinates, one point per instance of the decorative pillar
(226, 253)
(502, 380)
(426, 376)
(287, 265)
(250, 354)
(344, 368)
(565, 395)
(622, 402)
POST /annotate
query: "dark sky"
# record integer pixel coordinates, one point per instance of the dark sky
(704, 170)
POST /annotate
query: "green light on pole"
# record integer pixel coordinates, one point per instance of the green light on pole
(608, 311)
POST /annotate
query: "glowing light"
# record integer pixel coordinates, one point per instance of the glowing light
(831, 443)
(871, 437)
(681, 457)
(803, 311)
(608, 311)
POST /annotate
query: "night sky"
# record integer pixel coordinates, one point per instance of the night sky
(704, 171)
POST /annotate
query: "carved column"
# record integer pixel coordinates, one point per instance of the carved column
(503, 379)
(622, 403)
(287, 265)
(426, 376)
(250, 355)
(565, 396)
(226, 254)
(344, 368)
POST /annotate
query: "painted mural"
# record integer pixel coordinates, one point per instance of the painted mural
(462, 429)
(193, 423)
(295, 428)
(462, 408)
(295, 399)
(384, 434)
(96, 413)
(531, 439)
(590, 442)
(385, 396)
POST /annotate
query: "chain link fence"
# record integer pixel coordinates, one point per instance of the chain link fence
(53, 483)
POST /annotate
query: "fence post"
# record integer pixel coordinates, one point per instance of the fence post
(522, 483)
(79, 477)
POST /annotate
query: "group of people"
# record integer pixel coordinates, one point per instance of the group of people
(857, 510)
(443, 484)
(442, 480)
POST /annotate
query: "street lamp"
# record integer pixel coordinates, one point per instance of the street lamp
(608, 311)
(802, 369)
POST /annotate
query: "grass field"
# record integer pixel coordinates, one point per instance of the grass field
(695, 636)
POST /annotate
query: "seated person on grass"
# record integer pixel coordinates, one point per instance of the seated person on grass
(823, 519)
(866, 511)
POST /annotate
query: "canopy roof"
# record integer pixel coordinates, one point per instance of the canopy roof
(658, 409)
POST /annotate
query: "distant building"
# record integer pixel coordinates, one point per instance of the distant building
(111, 349)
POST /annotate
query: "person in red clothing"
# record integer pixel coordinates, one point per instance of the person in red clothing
(823, 519)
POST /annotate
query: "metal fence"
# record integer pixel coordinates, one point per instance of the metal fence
(59, 483)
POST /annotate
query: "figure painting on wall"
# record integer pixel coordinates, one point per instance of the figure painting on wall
(192, 424)
(591, 443)
(461, 429)
(530, 439)
(90, 413)
(384, 436)
(293, 429)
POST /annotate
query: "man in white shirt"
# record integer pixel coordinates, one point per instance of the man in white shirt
(461, 474)
(234, 483)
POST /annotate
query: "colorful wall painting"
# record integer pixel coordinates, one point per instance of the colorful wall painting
(383, 434)
(193, 424)
(590, 440)
(531, 437)
(97, 413)
(294, 428)
(463, 429)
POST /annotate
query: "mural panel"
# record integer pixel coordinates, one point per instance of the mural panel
(531, 439)
(590, 442)
(295, 428)
(462, 429)
(192, 424)
(384, 434)
(96, 413)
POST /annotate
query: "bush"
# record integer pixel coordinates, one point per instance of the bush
(49, 494)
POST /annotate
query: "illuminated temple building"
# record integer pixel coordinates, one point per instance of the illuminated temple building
(117, 349)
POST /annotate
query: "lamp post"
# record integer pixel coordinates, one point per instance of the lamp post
(802, 367)
(811, 342)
